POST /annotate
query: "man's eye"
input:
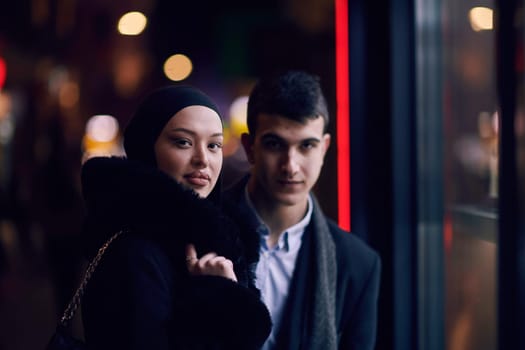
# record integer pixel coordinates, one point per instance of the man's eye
(308, 145)
(272, 145)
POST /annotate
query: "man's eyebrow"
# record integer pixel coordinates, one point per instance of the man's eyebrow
(271, 135)
(312, 139)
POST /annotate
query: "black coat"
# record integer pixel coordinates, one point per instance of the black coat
(141, 296)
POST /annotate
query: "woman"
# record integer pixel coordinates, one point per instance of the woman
(178, 276)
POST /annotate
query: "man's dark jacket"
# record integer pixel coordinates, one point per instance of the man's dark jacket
(332, 302)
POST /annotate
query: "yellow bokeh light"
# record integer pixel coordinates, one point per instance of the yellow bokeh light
(481, 18)
(102, 138)
(132, 23)
(178, 67)
(238, 110)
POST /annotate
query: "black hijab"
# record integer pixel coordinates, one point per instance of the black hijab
(151, 117)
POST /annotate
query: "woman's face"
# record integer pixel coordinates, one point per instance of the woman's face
(189, 148)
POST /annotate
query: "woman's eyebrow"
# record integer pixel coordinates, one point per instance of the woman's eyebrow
(188, 131)
(191, 132)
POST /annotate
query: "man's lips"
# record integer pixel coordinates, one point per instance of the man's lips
(289, 182)
(198, 179)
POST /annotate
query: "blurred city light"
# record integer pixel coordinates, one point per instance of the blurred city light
(6, 121)
(7, 130)
(69, 94)
(56, 78)
(5, 105)
(3, 72)
(238, 110)
(102, 128)
(178, 67)
(132, 23)
(102, 137)
(343, 113)
(481, 18)
(129, 70)
(236, 126)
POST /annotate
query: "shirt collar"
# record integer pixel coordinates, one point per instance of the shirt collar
(292, 235)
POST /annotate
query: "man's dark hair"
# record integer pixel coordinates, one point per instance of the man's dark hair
(295, 95)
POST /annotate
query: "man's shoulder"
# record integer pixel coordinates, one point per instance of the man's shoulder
(350, 246)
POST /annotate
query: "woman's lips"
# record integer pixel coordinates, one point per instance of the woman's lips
(197, 179)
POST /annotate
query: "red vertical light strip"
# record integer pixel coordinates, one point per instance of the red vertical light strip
(343, 112)
(3, 72)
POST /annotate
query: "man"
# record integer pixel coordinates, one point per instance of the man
(319, 282)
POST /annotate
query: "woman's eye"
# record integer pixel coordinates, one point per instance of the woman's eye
(183, 143)
(215, 146)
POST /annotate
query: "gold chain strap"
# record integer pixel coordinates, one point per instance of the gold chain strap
(75, 302)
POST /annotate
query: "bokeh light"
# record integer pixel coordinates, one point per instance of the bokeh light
(178, 67)
(129, 70)
(238, 110)
(68, 94)
(5, 105)
(481, 18)
(132, 23)
(102, 138)
(102, 128)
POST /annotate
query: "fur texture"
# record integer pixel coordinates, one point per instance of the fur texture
(123, 194)
(147, 263)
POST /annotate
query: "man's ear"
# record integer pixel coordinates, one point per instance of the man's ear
(247, 144)
(326, 142)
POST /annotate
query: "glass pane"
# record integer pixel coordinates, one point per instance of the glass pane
(470, 145)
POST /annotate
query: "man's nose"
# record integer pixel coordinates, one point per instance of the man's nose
(290, 163)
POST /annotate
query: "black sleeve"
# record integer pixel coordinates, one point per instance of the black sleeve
(360, 333)
(128, 301)
(235, 316)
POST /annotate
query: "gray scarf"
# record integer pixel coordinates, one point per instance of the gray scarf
(323, 334)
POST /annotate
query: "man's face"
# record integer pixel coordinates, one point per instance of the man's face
(286, 158)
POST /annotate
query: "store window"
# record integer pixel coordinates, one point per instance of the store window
(458, 126)
(470, 125)
(469, 134)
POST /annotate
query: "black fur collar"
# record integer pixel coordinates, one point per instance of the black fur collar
(122, 194)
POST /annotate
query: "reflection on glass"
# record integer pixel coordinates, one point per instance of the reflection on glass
(471, 134)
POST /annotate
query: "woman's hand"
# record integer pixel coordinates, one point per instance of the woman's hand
(208, 264)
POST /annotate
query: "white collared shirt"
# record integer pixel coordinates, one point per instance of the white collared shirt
(276, 266)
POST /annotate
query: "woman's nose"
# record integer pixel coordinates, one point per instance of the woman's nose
(200, 157)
